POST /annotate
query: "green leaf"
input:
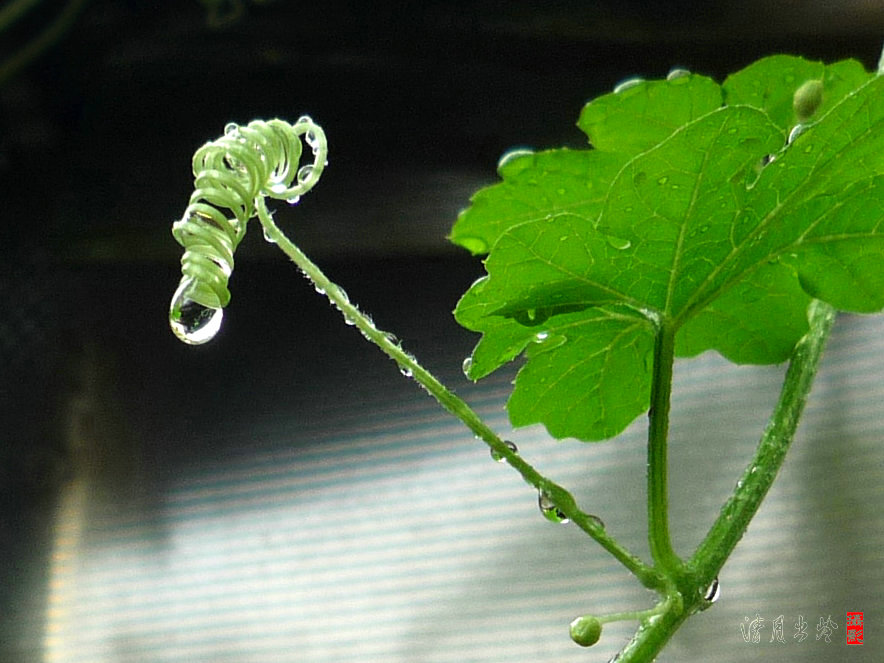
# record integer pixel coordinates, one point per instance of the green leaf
(718, 219)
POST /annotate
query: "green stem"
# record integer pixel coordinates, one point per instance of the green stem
(758, 476)
(658, 431)
(751, 489)
(563, 500)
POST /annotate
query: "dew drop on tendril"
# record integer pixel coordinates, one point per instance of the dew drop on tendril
(190, 321)
(500, 457)
(466, 366)
(549, 509)
(304, 173)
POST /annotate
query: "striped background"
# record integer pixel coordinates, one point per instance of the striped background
(379, 530)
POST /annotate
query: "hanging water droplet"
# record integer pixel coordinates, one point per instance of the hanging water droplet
(549, 509)
(797, 130)
(628, 83)
(267, 236)
(190, 321)
(499, 457)
(467, 365)
(293, 200)
(712, 593)
(406, 371)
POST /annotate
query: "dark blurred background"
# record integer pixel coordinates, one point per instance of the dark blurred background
(102, 104)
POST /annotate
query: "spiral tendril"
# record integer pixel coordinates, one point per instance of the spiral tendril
(231, 175)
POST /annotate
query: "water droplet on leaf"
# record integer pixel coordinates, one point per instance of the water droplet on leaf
(549, 509)
(190, 321)
(797, 130)
(466, 366)
(677, 72)
(618, 242)
(510, 157)
(622, 86)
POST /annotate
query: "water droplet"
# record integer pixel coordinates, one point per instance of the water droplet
(677, 72)
(305, 173)
(598, 521)
(713, 591)
(807, 99)
(406, 371)
(190, 321)
(797, 130)
(618, 243)
(467, 365)
(628, 83)
(277, 187)
(511, 156)
(293, 200)
(539, 337)
(500, 457)
(231, 128)
(267, 237)
(549, 509)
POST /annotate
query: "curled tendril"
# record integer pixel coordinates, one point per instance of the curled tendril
(232, 175)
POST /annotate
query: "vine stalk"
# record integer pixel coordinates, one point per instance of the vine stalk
(710, 556)
(562, 499)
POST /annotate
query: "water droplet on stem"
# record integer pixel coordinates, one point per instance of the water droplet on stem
(549, 509)
(500, 457)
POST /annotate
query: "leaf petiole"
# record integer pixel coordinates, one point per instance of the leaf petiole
(564, 501)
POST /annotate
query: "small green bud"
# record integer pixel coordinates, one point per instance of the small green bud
(807, 99)
(586, 630)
